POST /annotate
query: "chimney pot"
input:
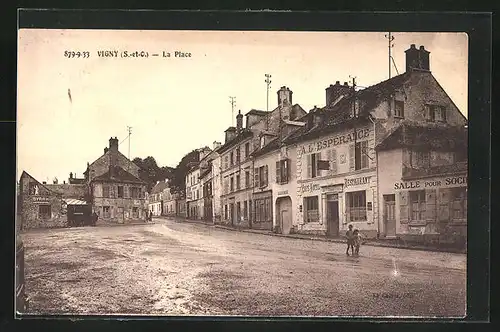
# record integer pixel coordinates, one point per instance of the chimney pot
(422, 47)
(337, 83)
(412, 46)
(345, 84)
(71, 175)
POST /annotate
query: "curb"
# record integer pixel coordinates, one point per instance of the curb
(310, 238)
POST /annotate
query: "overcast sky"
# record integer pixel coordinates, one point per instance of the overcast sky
(175, 105)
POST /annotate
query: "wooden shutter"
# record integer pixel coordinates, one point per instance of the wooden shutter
(266, 175)
(278, 172)
(427, 112)
(403, 207)
(286, 165)
(309, 166)
(348, 201)
(352, 157)
(256, 177)
(444, 204)
(430, 202)
(333, 161)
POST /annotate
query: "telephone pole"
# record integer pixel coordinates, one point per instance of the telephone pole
(268, 84)
(129, 133)
(232, 101)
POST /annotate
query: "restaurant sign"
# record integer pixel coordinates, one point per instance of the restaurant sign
(357, 181)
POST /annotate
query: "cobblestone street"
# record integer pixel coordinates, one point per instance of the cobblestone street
(174, 268)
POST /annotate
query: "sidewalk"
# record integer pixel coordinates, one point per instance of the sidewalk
(371, 242)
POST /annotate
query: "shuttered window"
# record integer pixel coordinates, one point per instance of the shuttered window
(105, 191)
(312, 165)
(459, 203)
(417, 205)
(282, 171)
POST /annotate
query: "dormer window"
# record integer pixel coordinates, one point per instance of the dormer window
(399, 109)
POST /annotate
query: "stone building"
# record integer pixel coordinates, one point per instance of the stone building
(117, 194)
(193, 193)
(169, 202)
(209, 176)
(340, 175)
(245, 177)
(42, 205)
(156, 198)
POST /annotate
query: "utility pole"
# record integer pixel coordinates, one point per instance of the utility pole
(232, 101)
(390, 37)
(129, 133)
(268, 84)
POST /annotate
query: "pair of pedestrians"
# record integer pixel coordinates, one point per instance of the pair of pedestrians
(354, 238)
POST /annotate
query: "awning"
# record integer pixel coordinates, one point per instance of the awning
(71, 201)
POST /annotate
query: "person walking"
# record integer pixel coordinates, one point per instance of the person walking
(350, 240)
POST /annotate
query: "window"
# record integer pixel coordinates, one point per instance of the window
(250, 211)
(225, 211)
(105, 191)
(282, 171)
(106, 212)
(247, 150)
(247, 179)
(399, 108)
(44, 211)
(120, 191)
(459, 203)
(238, 211)
(231, 187)
(238, 152)
(238, 182)
(435, 113)
(312, 165)
(231, 158)
(245, 210)
(356, 205)
(361, 155)
(311, 210)
(417, 199)
(226, 162)
(261, 176)
(263, 212)
(420, 159)
(135, 212)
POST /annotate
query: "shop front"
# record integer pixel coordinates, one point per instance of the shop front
(263, 210)
(430, 209)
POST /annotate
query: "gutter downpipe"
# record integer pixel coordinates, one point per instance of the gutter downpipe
(377, 166)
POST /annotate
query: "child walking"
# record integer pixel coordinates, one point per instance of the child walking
(357, 239)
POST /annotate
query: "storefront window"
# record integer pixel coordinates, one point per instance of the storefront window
(311, 212)
(263, 212)
(356, 205)
(459, 203)
(417, 199)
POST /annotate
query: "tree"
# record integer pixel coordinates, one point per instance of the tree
(179, 178)
(150, 172)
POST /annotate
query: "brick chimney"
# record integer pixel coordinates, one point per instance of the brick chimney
(333, 92)
(105, 150)
(417, 59)
(239, 121)
(113, 144)
(284, 96)
(70, 175)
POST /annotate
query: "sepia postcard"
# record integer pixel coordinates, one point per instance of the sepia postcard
(242, 173)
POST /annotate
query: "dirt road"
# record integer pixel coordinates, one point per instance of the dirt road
(171, 268)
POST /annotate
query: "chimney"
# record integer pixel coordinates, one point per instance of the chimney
(417, 59)
(105, 150)
(333, 92)
(230, 133)
(113, 144)
(217, 145)
(284, 96)
(44, 182)
(70, 175)
(239, 121)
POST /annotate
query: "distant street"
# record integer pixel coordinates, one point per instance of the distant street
(173, 268)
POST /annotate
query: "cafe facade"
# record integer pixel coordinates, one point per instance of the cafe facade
(337, 183)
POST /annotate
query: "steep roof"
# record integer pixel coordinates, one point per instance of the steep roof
(244, 134)
(257, 112)
(341, 114)
(159, 187)
(68, 190)
(118, 174)
(409, 134)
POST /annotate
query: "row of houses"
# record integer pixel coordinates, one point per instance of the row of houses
(390, 159)
(111, 188)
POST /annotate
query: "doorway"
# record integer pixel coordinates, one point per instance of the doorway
(284, 214)
(332, 215)
(390, 215)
